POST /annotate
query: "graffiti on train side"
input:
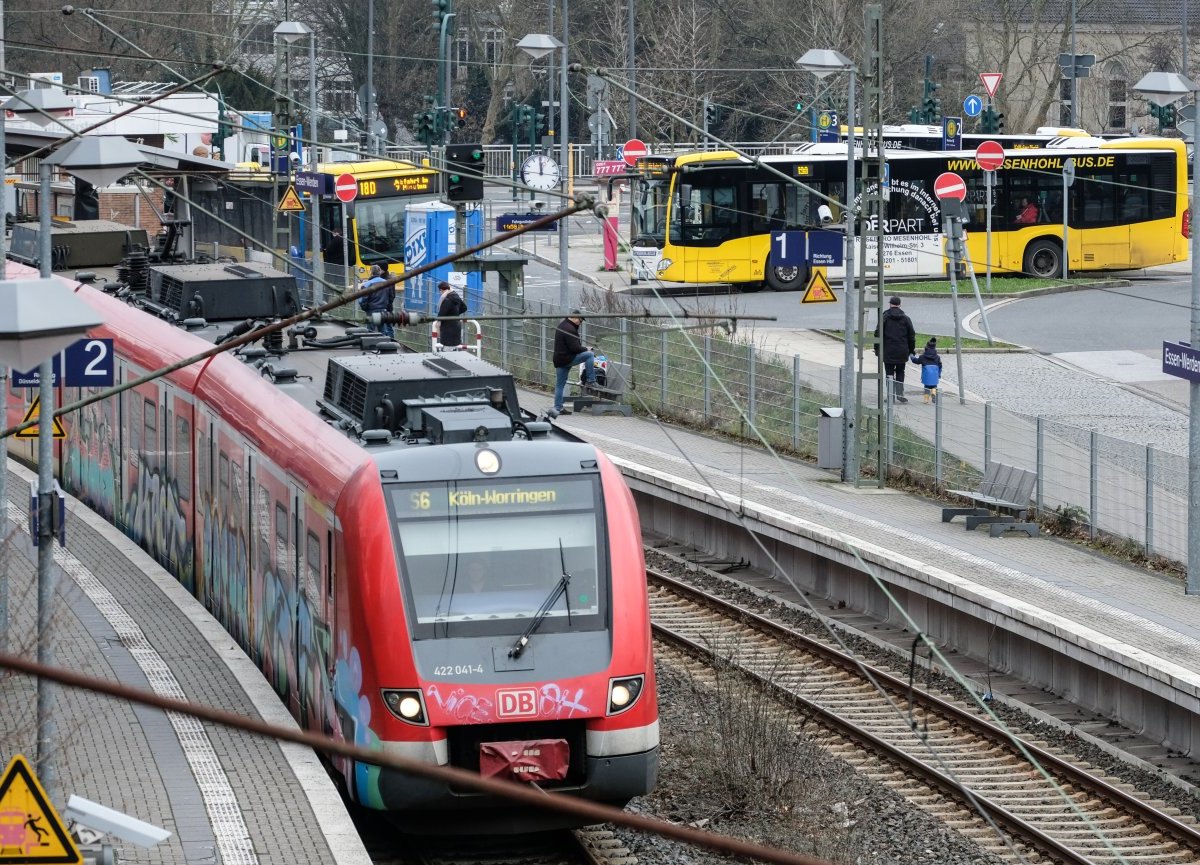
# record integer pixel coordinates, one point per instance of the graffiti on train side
(154, 517)
(92, 459)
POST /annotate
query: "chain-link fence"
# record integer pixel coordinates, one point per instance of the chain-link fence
(706, 380)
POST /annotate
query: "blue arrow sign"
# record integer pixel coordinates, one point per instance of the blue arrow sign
(972, 106)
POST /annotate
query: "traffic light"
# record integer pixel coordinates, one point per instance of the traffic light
(999, 122)
(711, 114)
(989, 120)
(1164, 114)
(441, 8)
(426, 127)
(799, 105)
(460, 117)
(464, 172)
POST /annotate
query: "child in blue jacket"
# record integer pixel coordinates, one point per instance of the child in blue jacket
(931, 369)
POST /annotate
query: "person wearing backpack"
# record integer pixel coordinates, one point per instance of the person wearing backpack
(452, 304)
(931, 369)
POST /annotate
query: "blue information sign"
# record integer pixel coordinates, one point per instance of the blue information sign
(788, 249)
(972, 106)
(951, 133)
(84, 363)
(826, 248)
(513, 221)
(309, 181)
(1181, 360)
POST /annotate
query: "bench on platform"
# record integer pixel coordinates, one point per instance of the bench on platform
(1003, 500)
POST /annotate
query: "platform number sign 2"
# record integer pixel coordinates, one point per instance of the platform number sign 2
(84, 363)
(788, 249)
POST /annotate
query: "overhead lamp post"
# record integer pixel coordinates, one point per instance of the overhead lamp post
(291, 32)
(1167, 88)
(537, 46)
(823, 63)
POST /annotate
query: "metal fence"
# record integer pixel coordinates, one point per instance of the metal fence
(707, 381)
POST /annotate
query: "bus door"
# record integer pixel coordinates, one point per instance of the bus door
(1101, 211)
(712, 232)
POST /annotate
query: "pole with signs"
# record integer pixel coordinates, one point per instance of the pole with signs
(952, 229)
(1068, 174)
(345, 187)
(989, 156)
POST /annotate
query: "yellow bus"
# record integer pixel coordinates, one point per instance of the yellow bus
(376, 218)
(707, 217)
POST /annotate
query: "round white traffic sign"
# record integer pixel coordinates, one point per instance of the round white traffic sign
(634, 150)
(989, 155)
(950, 185)
(345, 187)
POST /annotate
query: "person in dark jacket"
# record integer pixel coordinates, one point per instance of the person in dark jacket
(450, 332)
(381, 299)
(898, 339)
(931, 369)
(569, 351)
(332, 250)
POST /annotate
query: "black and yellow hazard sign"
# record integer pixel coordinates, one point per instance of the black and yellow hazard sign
(290, 202)
(818, 290)
(30, 829)
(33, 413)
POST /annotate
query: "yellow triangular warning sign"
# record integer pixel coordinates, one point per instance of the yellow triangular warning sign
(291, 201)
(30, 829)
(32, 432)
(818, 290)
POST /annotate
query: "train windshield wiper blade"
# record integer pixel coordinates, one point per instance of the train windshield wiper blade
(560, 589)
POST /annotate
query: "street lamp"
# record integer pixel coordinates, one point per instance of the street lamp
(1167, 88)
(823, 63)
(537, 46)
(291, 32)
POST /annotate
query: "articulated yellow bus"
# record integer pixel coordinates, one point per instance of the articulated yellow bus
(708, 217)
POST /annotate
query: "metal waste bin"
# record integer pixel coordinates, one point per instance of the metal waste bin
(831, 434)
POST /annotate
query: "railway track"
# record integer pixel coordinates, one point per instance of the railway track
(938, 753)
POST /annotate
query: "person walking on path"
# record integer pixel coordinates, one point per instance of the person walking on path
(569, 352)
(450, 332)
(897, 342)
(381, 299)
(931, 369)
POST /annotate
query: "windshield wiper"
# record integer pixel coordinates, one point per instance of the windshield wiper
(560, 589)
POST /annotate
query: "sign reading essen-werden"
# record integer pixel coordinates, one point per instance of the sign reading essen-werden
(1181, 360)
(950, 185)
(345, 188)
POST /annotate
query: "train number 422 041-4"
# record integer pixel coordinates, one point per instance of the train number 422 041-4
(457, 669)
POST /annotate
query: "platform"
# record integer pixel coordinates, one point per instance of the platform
(227, 797)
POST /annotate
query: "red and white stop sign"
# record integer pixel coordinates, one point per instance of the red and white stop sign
(989, 155)
(949, 185)
(634, 150)
(345, 187)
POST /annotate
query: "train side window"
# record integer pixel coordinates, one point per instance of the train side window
(329, 585)
(281, 539)
(135, 422)
(312, 561)
(223, 483)
(262, 528)
(183, 457)
(237, 512)
(151, 440)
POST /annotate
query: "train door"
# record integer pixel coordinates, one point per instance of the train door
(273, 575)
(226, 556)
(93, 451)
(204, 492)
(137, 515)
(315, 608)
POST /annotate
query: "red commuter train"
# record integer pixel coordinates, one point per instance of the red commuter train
(416, 563)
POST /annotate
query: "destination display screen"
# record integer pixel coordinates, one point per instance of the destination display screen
(386, 187)
(453, 500)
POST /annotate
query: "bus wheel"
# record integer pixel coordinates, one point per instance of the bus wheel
(791, 278)
(1043, 259)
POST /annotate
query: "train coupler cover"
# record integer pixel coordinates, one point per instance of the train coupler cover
(528, 760)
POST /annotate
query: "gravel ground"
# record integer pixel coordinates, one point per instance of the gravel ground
(829, 810)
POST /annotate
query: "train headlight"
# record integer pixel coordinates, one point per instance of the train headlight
(487, 461)
(407, 705)
(623, 693)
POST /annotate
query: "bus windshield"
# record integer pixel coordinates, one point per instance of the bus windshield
(650, 210)
(380, 224)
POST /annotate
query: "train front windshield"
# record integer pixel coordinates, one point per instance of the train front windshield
(484, 557)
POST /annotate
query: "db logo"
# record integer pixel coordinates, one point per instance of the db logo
(517, 703)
